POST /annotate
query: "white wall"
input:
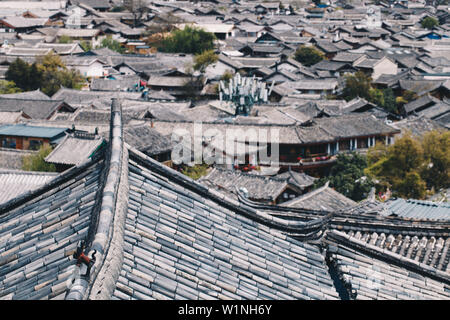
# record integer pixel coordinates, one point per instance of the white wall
(93, 70)
(384, 67)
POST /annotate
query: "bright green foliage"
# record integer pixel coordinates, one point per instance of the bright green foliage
(195, 172)
(429, 23)
(409, 96)
(48, 73)
(36, 162)
(25, 76)
(360, 85)
(204, 59)
(226, 76)
(411, 186)
(8, 87)
(390, 104)
(189, 40)
(65, 39)
(308, 55)
(411, 165)
(376, 96)
(347, 176)
(357, 85)
(86, 45)
(112, 44)
(436, 153)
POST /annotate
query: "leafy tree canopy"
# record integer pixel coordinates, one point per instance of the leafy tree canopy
(360, 85)
(195, 172)
(112, 44)
(429, 23)
(357, 85)
(347, 176)
(8, 87)
(204, 59)
(65, 39)
(36, 162)
(189, 40)
(86, 45)
(412, 165)
(308, 55)
(48, 73)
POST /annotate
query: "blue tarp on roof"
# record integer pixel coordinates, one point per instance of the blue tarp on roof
(20, 130)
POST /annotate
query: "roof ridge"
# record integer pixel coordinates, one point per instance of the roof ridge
(30, 99)
(250, 175)
(104, 229)
(294, 227)
(383, 255)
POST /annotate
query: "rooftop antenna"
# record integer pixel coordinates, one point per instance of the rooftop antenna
(244, 92)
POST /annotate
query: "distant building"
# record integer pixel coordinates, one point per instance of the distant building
(26, 137)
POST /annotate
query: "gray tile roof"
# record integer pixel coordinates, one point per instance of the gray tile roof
(370, 278)
(260, 188)
(12, 158)
(17, 182)
(111, 85)
(179, 245)
(147, 140)
(29, 95)
(38, 237)
(417, 125)
(323, 198)
(36, 109)
(420, 103)
(419, 209)
(83, 98)
(75, 149)
(299, 179)
(420, 87)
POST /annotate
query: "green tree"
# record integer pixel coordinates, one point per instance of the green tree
(54, 74)
(189, 40)
(86, 45)
(25, 76)
(48, 73)
(357, 85)
(8, 87)
(376, 96)
(436, 153)
(204, 59)
(399, 166)
(36, 162)
(390, 104)
(411, 186)
(226, 76)
(65, 39)
(112, 44)
(347, 176)
(308, 55)
(195, 172)
(429, 23)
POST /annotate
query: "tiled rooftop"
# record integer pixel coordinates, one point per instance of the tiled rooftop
(38, 238)
(179, 245)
